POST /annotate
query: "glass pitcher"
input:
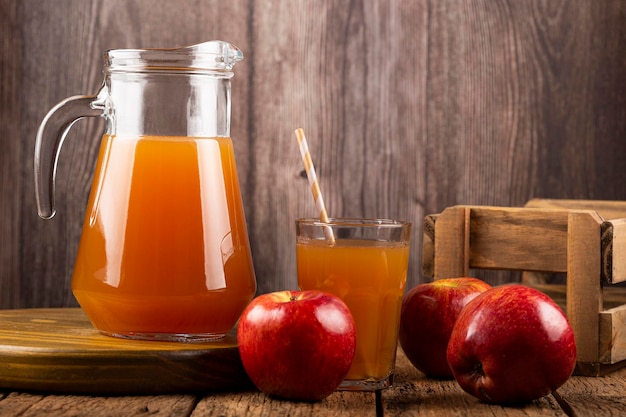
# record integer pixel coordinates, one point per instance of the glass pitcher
(164, 251)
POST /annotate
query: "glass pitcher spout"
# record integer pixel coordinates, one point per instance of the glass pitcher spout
(226, 55)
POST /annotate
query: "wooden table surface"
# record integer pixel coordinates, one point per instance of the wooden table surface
(412, 395)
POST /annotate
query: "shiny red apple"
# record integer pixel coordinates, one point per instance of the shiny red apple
(429, 312)
(297, 345)
(511, 344)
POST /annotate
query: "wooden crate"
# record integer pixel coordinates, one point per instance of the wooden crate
(588, 249)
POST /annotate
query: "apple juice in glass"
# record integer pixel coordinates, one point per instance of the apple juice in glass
(364, 262)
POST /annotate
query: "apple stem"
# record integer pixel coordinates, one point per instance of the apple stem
(292, 298)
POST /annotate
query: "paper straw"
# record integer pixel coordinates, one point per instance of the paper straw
(315, 186)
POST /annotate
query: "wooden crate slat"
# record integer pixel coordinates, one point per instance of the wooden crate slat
(607, 209)
(452, 243)
(518, 239)
(584, 292)
(613, 335)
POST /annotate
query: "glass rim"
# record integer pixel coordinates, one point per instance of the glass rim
(212, 57)
(353, 222)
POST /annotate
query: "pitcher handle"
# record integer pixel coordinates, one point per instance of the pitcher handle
(50, 137)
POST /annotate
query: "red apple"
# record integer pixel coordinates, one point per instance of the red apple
(511, 344)
(297, 345)
(429, 312)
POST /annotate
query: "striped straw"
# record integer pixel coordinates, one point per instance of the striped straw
(315, 186)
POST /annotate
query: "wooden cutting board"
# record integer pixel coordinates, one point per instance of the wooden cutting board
(59, 351)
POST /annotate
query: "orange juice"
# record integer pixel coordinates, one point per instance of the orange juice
(370, 277)
(164, 248)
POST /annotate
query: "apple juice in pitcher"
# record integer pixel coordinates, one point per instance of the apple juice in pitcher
(164, 252)
(177, 255)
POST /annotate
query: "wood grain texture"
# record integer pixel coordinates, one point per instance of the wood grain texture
(409, 107)
(519, 238)
(607, 209)
(411, 395)
(613, 235)
(58, 351)
(613, 253)
(584, 292)
(452, 244)
(35, 405)
(613, 334)
(488, 237)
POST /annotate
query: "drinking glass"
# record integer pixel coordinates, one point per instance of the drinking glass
(364, 262)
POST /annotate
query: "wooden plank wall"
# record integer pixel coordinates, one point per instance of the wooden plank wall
(409, 107)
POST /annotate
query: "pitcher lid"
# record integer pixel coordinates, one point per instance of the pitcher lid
(212, 56)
